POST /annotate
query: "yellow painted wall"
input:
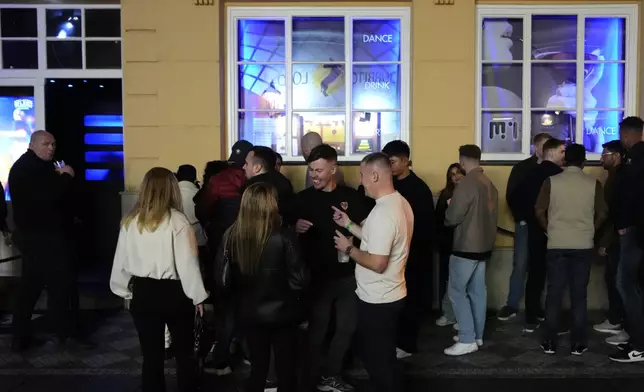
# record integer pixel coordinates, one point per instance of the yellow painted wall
(173, 72)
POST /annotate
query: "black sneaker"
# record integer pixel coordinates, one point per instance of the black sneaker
(506, 313)
(548, 347)
(578, 349)
(334, 384)
(530, 327)
(623, 346)
(628, 355)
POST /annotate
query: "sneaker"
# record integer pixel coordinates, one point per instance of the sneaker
(530, 328)
(578, 349)
(444, 321)
(222, 370)
(607, 327)
(548, 347)
(458, 349)
(334, 384)
(479, 342)
(620, 338)
(628, 355)
(506, 313)
(455, 326)
(623, 346)
(402, 354)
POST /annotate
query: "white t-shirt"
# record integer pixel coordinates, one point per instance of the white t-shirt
(386, 231)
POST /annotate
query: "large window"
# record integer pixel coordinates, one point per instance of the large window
(341, 72)
(567, 71)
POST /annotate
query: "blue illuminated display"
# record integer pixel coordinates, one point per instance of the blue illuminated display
(376, 40)
(554, 101)
(103, 121)
(103, 174)
(261, 40)
(104, 139)
(103, 156)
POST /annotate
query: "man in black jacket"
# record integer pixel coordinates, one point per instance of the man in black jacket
(260, 167)
(626, 204)
(418, 273)
(523, 200)
(520, 256)
(39, 192)
(332, 272)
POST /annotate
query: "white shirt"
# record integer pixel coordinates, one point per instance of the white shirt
(170, 252)
(188, 192)
(387, 231)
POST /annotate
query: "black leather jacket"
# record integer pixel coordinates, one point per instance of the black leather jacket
(275, 293)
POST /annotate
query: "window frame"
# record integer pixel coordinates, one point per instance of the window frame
(627, 11)
(235, 13)
(43, 72)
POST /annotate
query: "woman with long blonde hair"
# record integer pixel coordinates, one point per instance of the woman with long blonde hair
(260, 270)
(156, 265)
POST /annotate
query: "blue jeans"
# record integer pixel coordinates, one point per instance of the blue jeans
(630, 287)
(568, 267)
(468, 293)
(519, 265)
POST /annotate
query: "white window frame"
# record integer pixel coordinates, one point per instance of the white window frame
(286, 13)
(43, 72)
(627, 11)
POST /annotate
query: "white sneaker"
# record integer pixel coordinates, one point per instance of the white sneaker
(402, 354)
(607, 327)
(479, 342)
(459, 349)
(455, 326)
(444, 321)
(620, 338)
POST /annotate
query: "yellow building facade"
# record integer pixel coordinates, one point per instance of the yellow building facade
(175, 79)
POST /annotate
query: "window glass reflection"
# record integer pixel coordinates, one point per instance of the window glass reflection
(318, 39)
(376, 40)
(261, 40)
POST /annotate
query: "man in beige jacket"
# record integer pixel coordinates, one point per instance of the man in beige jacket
(472, 212)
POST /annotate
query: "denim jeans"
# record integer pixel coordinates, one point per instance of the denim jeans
(630, 287)
(468, 293)
(446, 304)
(519, 265)
(568, 267)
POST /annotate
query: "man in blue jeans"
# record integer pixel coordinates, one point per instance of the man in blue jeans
(627, 205)
(520, 257)
(570, 208)
(473, 214)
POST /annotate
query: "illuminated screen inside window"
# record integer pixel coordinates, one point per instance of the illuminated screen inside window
(17, 123)
(555, 76)
(319, 83)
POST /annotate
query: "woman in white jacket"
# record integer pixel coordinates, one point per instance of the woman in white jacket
(156, 265)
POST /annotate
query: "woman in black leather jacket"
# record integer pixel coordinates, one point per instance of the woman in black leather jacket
(260, 270)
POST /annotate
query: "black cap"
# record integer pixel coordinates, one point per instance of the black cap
(187, 173)
(238, 152)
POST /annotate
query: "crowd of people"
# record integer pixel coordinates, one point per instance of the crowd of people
(304, 283)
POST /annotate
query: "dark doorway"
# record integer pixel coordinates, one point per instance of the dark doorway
(85, 116)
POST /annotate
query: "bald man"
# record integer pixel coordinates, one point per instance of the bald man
(309, 142)
(380, 270)
(39, 192)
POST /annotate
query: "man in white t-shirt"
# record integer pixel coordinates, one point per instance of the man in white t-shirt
(380, 270)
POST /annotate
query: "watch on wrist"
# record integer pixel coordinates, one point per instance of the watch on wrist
(348, 250)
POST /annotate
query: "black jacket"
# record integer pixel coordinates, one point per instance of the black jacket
(3, 211)
(525, 194)
(445, 234)
(274, 294)
(39, 195)
(421, 200)
(628, 186)
(517, 175)
(285, 194)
